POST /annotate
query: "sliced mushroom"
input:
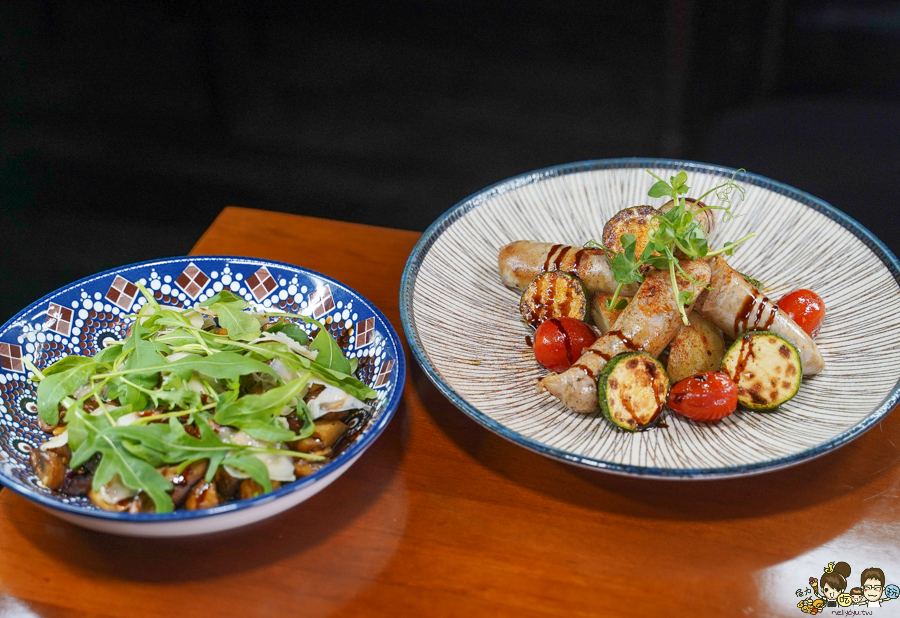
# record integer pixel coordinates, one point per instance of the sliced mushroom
(329, 432)
(185, 480)
(49, 468)
(226, 485)
(202, 496)
(305, 468)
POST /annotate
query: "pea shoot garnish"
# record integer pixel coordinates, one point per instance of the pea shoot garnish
(679, 235)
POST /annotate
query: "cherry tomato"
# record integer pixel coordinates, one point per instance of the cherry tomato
(704, 397)
(806, 308)
(559, 342)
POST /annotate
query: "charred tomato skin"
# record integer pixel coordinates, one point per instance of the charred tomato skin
(705, 397)
(806, 308)
(559, 342)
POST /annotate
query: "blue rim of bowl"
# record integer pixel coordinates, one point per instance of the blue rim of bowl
(434, 231)
(346, 456)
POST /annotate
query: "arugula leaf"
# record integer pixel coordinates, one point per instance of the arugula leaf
(291, 330)
(60, 380)
(107, 355)
(143, 355)
(84, 429)
(221, 366)
(346, 382)
(252, 466)
(261, 407)
(330, 354)
(170, 444)
(241, 326)
(225, 296)
(133, 472)
(267, 431)
(183, 398)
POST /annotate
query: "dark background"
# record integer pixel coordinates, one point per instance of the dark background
(128, 126)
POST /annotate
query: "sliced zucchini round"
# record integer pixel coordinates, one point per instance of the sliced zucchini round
(632, 390)
(765, 367)
(638, 220)
(554, 294)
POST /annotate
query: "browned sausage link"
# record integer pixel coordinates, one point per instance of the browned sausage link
(648, 323)
(735, 306)
(523, 260)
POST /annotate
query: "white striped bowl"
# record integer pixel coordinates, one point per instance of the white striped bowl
(464, 327)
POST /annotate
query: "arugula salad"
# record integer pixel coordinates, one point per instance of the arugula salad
(195, 407)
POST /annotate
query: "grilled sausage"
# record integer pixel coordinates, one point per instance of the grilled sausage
(736, 306)
(523, 260)
(648, 323)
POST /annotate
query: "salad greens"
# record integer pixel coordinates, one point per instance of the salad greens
(678, 236)
(132, 401)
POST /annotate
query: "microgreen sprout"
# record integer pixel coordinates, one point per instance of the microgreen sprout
(679, 235)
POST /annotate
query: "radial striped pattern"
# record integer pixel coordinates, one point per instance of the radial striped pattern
(465, 329)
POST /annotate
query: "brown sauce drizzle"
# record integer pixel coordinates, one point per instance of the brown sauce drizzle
(742, 319)
(536, 311)
(771, 317)
(567, 341)
(587, 369)
(550, 263)
(744, 356)
(626, 342)
(529, 341)
(743, 315)
(634, 419)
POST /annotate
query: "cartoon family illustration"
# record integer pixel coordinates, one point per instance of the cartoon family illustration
(831, 589)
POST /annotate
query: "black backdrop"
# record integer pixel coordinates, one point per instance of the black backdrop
(127, 127)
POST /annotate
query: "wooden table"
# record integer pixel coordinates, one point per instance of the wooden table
(443, 518)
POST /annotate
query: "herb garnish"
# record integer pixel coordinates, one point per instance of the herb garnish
(678, 236)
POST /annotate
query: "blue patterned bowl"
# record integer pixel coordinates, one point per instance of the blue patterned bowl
(451, 284)
(78, 318)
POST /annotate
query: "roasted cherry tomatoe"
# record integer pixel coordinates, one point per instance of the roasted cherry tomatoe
(704, 397)
(559, 342)
(806, 308)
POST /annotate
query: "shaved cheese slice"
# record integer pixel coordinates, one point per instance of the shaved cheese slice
(333, 399)
(56, 441)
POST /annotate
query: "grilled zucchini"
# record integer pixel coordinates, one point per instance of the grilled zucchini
(554, 294)
(632, 390)
(765, 367)
(638, 221)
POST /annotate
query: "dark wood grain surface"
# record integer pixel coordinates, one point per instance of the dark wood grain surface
(442, 518)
